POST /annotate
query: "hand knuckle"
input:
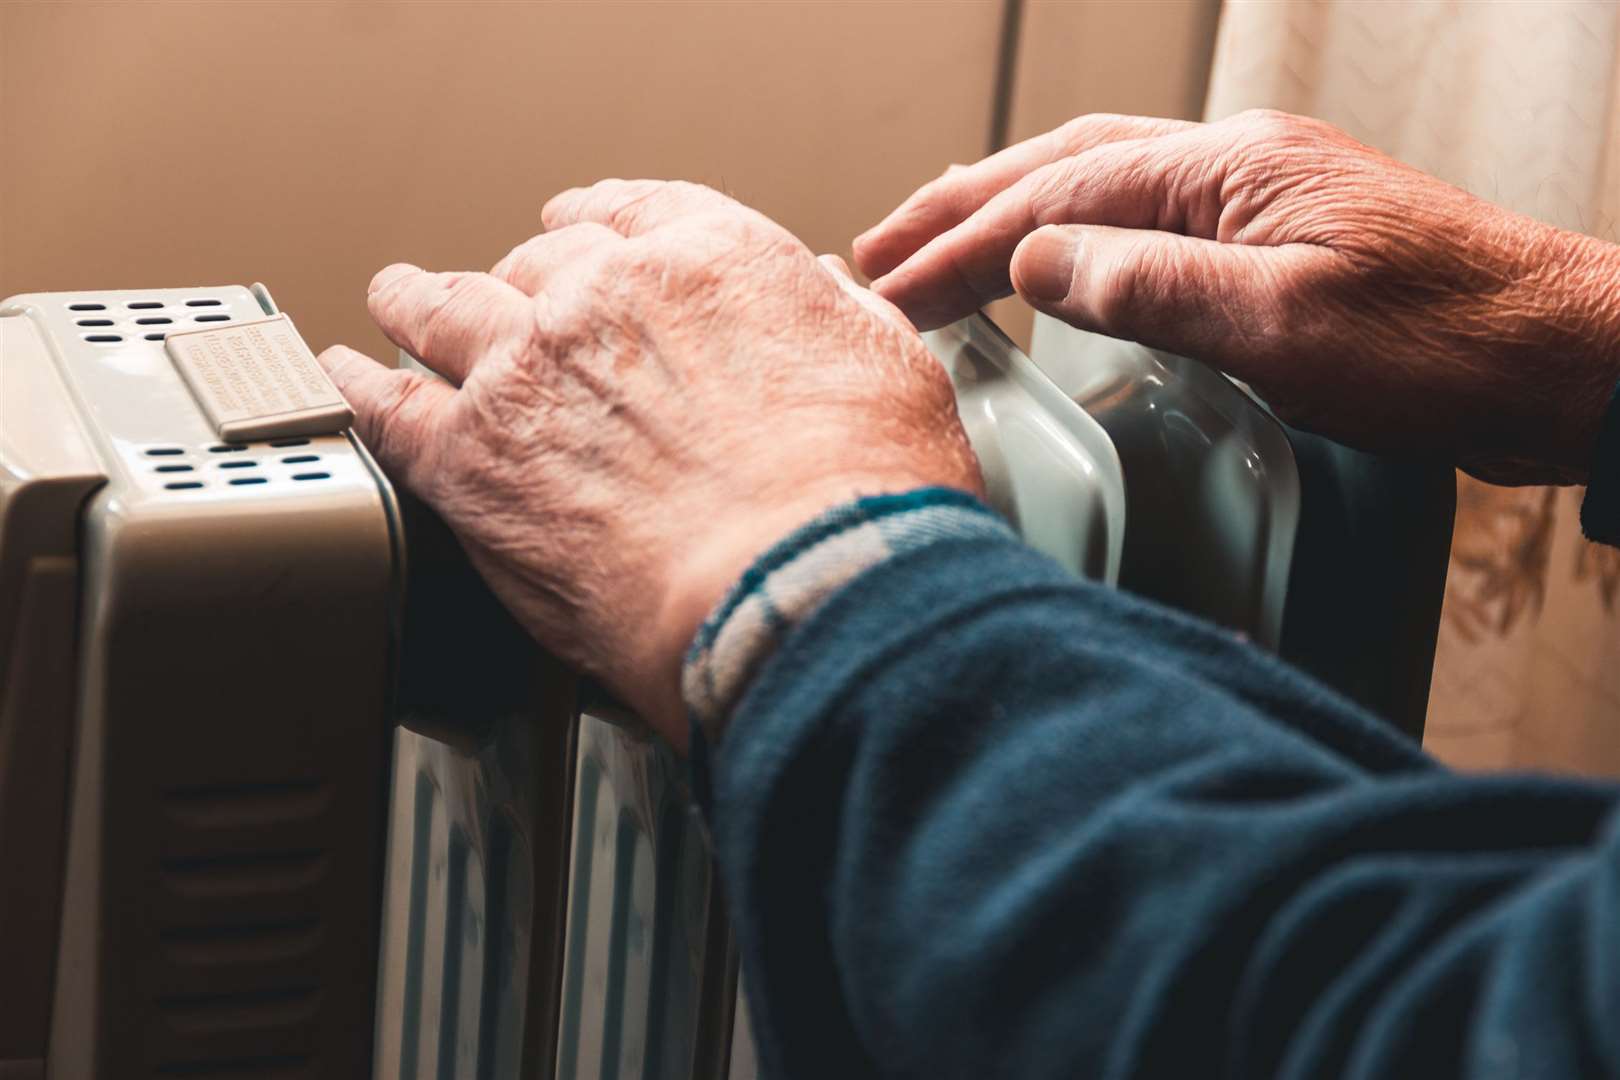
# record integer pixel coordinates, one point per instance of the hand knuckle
(1271, 126)
(458, 307)
(687, 189)
(935, 199)
(395, 440)
(1132, 282)
(1085, 130)
(528, 246)
(1051, 189)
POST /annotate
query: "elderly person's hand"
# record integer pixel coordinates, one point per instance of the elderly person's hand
(1358, 296)
(639, 402)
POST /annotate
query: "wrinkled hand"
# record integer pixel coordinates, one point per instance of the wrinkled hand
(1360, 297)
(639, 402)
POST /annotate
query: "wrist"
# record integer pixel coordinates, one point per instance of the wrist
(706, 572)
(1580, 313)
(791, 581)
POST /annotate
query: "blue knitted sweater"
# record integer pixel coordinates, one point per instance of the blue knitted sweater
(977, 818)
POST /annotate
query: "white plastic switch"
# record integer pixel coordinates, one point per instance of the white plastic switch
(258, 380)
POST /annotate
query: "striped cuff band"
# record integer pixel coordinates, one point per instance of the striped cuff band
(790, 581)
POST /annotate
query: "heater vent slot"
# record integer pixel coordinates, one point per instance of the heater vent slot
(242, 874)
(86, 306)
(215, 806)
(250, 1010)
(255, 943)
(278, 1067)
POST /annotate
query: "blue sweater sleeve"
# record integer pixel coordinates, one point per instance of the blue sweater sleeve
(976, 818)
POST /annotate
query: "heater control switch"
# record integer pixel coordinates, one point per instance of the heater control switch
(258, 380)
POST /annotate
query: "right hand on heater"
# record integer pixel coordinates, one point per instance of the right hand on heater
(1360, 297)
(638, 403)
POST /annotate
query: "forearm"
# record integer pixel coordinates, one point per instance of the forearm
(977, 818)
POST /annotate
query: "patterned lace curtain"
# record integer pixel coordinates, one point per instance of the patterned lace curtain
(1518, 102)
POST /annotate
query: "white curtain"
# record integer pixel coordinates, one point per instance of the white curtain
(1518, 102)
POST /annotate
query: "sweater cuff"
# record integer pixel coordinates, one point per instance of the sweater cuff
(1600, 510)
(790, 581)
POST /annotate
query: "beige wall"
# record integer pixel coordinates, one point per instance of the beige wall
(309, 144)
(1151, 58)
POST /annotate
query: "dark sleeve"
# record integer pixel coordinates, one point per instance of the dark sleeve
(978, 819)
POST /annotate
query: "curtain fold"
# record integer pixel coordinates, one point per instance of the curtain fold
(1518, 102)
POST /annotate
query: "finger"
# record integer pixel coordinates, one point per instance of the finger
(534, 262)
(634, 207)
(1136, 184)
(396, 412)
(1219, 302)
(868, 299)
(837, 265)
(448, 321)
(947, 201)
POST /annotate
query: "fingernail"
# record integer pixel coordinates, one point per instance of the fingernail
(388, 275)
(1045, 262)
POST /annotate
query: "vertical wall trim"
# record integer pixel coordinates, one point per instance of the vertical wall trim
(1012, 19)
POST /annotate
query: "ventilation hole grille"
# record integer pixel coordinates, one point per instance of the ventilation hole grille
(135, 315)
(233, 459)
(241, 926)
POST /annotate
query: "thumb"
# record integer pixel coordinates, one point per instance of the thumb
(1221, 303)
